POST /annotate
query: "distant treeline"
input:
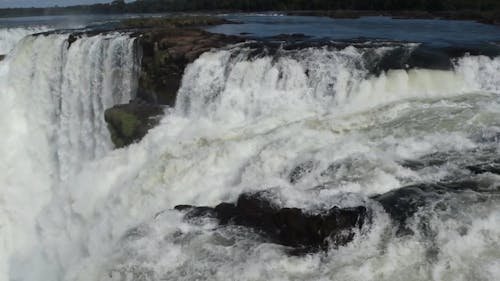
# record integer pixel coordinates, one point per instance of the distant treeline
(157, 6)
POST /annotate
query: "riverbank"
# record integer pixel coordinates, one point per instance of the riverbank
(486, 17)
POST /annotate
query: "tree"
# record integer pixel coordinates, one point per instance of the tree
(118, 5)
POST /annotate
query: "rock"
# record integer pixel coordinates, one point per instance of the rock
(2, 57)
(72, 39)
(403, 203)
(300, 171)
(434, 159)
(492, 167)
(129, 123)
(168, 46)
(292, 227)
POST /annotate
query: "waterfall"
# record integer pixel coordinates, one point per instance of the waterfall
(9, 37)
(73, 209)
(317, 80)
(53, 98)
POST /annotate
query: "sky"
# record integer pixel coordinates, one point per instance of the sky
(46, 3)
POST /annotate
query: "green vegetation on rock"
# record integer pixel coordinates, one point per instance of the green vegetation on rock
(130, 123)
(169, 44)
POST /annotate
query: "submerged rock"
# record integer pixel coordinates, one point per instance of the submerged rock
(491, 167)
(293, 227)
(410, 208)
(404, 203)
(300, 171)
(129, 123)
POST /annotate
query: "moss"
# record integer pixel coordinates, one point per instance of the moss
(123, 127)
(128, 123)
(115, 137)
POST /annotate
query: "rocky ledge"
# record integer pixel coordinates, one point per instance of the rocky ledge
(128, 123)
(409, 208)
(168, 45)
(302, 231)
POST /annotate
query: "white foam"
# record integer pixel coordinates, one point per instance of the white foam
(240, 124)
(52, 103)
(9, 37)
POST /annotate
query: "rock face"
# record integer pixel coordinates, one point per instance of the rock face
(291, 227)
(305, 232)
(300, 171)
(129, 123)
(169, 45)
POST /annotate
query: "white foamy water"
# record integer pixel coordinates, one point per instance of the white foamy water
(52, 100)
(74, 210)
(9, 37)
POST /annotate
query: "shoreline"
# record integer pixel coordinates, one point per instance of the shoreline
(491, 18)
(485, 17)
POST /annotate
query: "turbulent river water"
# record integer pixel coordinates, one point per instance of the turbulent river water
(72, 208)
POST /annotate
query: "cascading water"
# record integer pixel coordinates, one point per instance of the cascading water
(53, 98)
(317, 80)
(242, 122)
(9, 37)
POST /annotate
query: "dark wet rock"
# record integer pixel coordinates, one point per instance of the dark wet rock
(300, 171)
(409, 208)
(403, 203)
(129, 123)
(484, 157)
(168, 46)
(72, 39)
(2, 57)
(490, 167)
(334, 168)
(422, 163)
(291, 227)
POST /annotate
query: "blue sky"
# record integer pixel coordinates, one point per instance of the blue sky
(46, 3)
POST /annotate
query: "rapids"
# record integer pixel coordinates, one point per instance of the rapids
(71, 208)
